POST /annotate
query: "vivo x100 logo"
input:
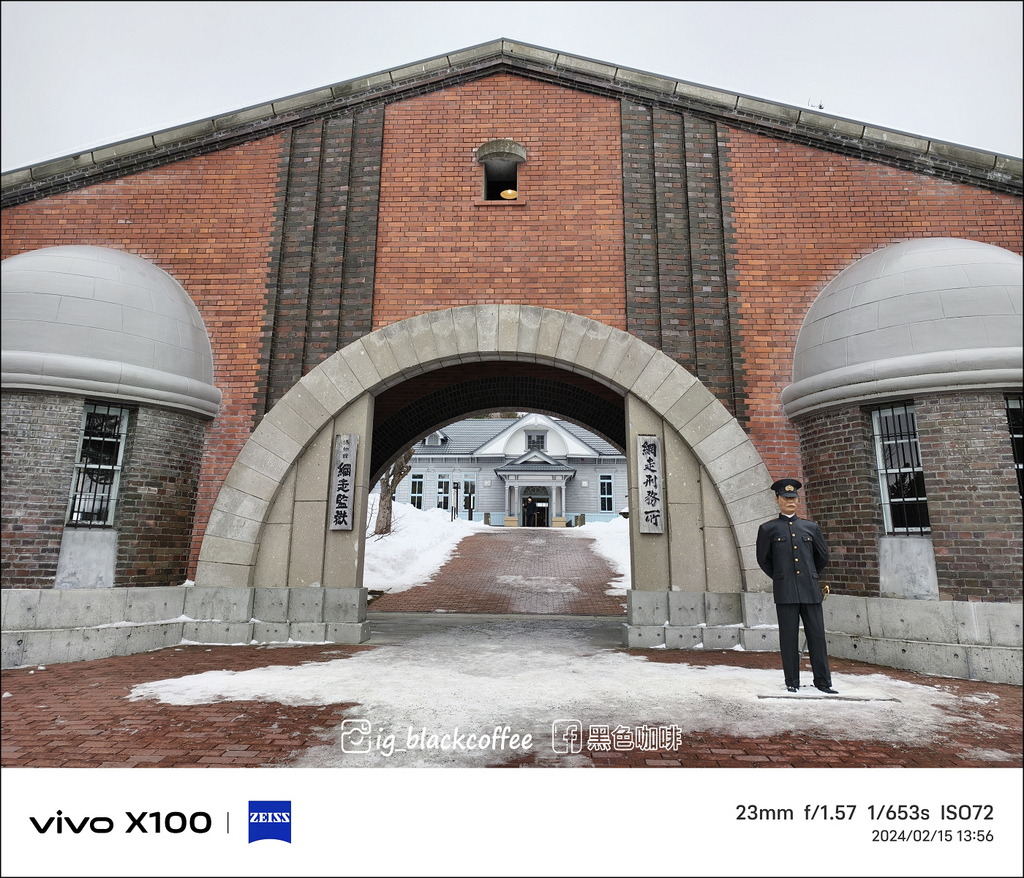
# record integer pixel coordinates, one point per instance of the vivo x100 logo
(270, 820)
(143, 822)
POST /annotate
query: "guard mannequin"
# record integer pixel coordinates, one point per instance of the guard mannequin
(793, 552)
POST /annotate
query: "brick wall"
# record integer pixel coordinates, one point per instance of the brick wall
(209, 221)
(706, 240)
(157, 497)
(795, 217)
(40, 440)
(560, 245)
(677, 296)
(155, 502)
(321, 292)
(973, 500)
(841, 495)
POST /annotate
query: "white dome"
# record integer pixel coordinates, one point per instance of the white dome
(922, 316)
(92, 321)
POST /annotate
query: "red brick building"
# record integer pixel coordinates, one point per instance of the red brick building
(703, 224)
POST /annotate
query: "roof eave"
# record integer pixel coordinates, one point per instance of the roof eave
(806, 125)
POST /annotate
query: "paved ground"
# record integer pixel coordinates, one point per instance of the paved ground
(79, 715)
(516, 570)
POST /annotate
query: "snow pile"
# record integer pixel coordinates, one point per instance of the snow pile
(611, 542)
(420, 543)
(530, 674)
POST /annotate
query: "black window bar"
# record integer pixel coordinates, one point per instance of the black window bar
(900, 474)
(98, 466)
(1016, 422)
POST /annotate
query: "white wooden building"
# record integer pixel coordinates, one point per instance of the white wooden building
(518, 472)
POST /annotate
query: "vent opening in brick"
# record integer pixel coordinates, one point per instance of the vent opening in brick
(500, 161)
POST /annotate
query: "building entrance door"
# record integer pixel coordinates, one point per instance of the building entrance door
(542, 514)
(536, 507)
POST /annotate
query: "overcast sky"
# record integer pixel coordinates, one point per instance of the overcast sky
(82, 75)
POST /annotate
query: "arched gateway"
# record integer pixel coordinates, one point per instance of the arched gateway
(698, 489)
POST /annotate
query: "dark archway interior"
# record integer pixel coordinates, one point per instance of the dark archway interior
(409, 411)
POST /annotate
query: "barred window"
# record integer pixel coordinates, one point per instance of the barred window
(606, 494)
(1013, 415)
(900, 474)
(416, 490)
(98, 466)
(535, 441)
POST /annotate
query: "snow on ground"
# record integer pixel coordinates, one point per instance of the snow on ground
(611, 542)
(423, 540)
(528, 674)
(420, 543)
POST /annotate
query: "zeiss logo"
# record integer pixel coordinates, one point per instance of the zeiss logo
(270, 820)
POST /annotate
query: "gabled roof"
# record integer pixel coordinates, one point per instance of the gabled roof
(578, 447)
(603, 448)
(534, 461)
(466, 438)
(780, 120)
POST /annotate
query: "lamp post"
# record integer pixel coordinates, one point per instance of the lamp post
(455, 506)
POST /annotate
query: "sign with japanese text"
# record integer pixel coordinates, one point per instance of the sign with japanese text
(650, 484)
(343, 479)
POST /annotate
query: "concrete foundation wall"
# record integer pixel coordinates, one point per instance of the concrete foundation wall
(960, 639)
(47, 626)
(971, 641)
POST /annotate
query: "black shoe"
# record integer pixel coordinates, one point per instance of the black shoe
(828, 690)
(793, 688)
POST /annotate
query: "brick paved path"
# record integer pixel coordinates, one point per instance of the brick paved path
(79, 715)
(516, 570)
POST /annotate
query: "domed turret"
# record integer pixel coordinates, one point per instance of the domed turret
(93, 321)
(923, 316)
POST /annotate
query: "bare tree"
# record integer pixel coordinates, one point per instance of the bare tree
(388, 484)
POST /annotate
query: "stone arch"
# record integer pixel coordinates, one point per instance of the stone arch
(659, 398)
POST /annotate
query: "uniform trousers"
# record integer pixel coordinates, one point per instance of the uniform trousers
(789, 616)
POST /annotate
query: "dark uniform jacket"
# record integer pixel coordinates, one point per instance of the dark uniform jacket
(792, 551)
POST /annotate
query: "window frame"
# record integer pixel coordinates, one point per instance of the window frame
(606, 500)
(416, 496)
(902, 447)
(532, 436)
(1015, 402)
(500, 177)
(469, 490)
(500, 159)
(92, 489)
(444, 499)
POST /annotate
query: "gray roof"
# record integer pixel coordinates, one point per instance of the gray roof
(921, 316)
(534, 461)
(805, 125)
(595, 442)
(89, 320)
(534, 467)
(465, 437)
